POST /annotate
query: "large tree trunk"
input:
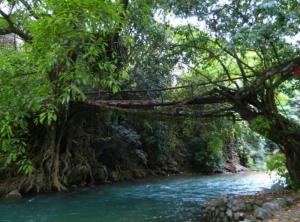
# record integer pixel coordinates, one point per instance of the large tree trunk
(293, 165)
(287, 134)
(284, 132)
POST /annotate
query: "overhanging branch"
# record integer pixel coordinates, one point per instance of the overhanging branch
(12, 28)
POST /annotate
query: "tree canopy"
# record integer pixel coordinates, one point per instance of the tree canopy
(244, 51)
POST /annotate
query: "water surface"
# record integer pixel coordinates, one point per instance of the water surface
(160, 200)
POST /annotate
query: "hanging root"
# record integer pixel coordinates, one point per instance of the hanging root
(55, 176)
(61, 155)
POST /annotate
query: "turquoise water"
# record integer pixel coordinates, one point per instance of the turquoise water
(160, 200)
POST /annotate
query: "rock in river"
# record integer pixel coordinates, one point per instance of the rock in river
(13, 195)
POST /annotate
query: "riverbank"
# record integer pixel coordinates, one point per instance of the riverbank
(105, 175)
(268, 205)
(287, 214)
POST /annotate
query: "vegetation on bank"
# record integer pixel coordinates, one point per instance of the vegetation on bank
(239, 54)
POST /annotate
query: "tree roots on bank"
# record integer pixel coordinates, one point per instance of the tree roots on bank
(60, 152)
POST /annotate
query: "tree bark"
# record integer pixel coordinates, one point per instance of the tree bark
(287, 134)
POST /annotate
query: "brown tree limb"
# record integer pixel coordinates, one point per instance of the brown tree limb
(12, 28)
(223, 66)
(234, 55)
(283, 71)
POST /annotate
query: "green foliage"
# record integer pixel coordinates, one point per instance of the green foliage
(21, 96)
(70, 48)
(261, 124)
(75, 45)
(161, 136)
(250, 146)
(277, 162)
(205, 155)
(25, 166)
(13, 146)
(288, 106)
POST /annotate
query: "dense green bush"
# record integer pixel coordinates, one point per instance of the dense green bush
(204, 157)
(250, 146)
(277, 162)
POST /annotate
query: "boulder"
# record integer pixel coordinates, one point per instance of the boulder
(230, 167)
(172, 163)
(297, 195)
(282, 202)
(115, 176)
(277, 187)
(142, 156)
(238, 205)
(13, 195)
(229, 213)
(101, 174)
(218, 170)
(240, 168)
(271, 206)
(234, 167)
(261, 213)
(139, 173)
(289, 200)
(239, 216)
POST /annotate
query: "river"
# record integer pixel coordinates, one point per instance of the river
(161, 200)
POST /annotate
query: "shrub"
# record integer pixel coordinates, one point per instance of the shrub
(204, 156)
(277, 162)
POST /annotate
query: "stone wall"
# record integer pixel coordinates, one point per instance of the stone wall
(247, 208)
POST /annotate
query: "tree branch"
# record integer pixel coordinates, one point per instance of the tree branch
(223, 66)
(283, 70)
(29, 8)
(235, 56)
(12, 29)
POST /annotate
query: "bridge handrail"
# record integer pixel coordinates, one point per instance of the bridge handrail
(93, 92)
